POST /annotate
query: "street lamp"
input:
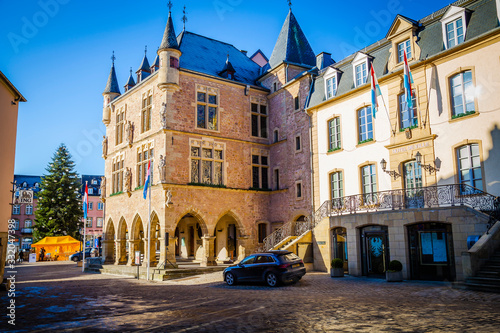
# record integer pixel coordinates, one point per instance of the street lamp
(392, 173)
(428, 167)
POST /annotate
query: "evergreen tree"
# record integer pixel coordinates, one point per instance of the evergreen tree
(59, 210)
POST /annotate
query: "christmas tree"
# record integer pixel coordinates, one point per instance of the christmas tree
(59, 210)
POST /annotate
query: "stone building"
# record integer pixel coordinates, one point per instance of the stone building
(228, 142)
(10, 98)
(410, 183)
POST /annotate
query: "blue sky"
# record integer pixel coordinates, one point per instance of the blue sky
(57, 53)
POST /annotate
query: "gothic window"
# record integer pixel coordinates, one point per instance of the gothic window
(207, 108)
(120, 123)
(259, 120)
(260, 170)
(147, 101)
(144, 155)
(207, 165)
(117, 175)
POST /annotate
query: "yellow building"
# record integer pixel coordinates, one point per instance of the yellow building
(410, 183)
(9, 104)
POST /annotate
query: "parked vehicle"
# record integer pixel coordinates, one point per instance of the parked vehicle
(77, 256)
(273, 268)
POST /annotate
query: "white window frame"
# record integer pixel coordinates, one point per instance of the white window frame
(16, 210)
(359, 60)
(331, 76)
(407, 47)
(100, 205)
(452, 15)
(335, 136)
(29, 209)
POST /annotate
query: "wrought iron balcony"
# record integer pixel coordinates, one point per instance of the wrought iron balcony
(424, 197)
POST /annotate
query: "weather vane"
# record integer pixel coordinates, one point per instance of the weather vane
(130, 70)
(184, 17)
(113, 57)
(145, 50)
(170, 5)
(290, 4)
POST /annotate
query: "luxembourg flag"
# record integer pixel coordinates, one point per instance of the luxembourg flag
(408, 81)
(375, 91)
(85, 201)
(146, 183)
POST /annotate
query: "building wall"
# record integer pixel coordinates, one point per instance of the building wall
(8, 132)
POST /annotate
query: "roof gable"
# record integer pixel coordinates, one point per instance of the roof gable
(400, 25)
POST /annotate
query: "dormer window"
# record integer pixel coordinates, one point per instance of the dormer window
(331, 82)
(455, 33)
(454, 26)
(360, 67)
(361, 74)
(404, 46)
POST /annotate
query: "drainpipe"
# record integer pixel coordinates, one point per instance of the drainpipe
(310, 143)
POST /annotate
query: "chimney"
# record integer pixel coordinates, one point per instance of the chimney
(244, 52)
(324, 60)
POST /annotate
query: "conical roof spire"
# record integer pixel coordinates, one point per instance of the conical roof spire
(130, 82)
(292, 45)
(145, 63)
(112, 85)
(169, 40)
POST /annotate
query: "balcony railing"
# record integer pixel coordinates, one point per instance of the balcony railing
(26, 230)
(424, 197)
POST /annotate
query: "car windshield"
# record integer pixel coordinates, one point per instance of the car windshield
(289, 257)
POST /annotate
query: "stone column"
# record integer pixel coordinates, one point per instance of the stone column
(208, 251)
(163, 251)
(171, 251)
(132, 245)
(121, 253)
(242, 246)
(108, 251)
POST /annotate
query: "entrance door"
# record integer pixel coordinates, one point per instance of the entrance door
(414, 197)
(339, 245)
(231, 241)
(375, 250)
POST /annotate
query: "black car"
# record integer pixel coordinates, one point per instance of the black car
(78, 256)
(272, 267)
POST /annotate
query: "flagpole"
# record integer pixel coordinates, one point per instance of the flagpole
(84, 226)
(149, 231)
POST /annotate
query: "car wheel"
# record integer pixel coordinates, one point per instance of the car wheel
(271, 279)
(230, 279)
(75, 259)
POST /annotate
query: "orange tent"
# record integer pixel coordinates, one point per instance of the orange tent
(60, 246)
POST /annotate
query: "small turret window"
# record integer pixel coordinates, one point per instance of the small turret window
(174, 62)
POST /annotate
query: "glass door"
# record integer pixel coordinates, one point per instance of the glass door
(375, 250)
(414, 197)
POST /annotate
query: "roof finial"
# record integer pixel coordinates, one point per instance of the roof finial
(145, 50)
(184, 17)
(169, 6)
(130, 70)
(113, 58)
(290, 4)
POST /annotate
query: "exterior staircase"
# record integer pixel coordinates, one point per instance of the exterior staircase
(488, 277)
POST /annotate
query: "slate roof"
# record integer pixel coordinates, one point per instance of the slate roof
(89, 179)
(130, 81)
(112, 85)
(145, 65)
(208, 56)
(30, 180)
(430, 39)
(292, 45)
(169, 40)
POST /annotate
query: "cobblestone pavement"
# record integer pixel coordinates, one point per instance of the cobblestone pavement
(55, 297)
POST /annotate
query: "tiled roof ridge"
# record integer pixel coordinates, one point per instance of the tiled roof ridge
(440, 12)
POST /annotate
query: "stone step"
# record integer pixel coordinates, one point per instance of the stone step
(484, 280)
(481, 287)
(488, 274)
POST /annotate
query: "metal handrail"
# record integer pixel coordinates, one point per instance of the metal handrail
(411, 198)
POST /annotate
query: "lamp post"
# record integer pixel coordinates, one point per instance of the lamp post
(392, 173)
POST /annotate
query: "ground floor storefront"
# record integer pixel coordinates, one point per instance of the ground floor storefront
(429, 242)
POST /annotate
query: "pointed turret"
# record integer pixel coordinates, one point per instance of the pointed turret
(130, 83)
(156, 64)
(228, 71)
(292, 45)
(169, 53)
(111, 92)
(145, 70)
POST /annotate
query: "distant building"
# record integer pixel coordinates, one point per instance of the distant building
(10, 98)
(24, 214)
(95, 211)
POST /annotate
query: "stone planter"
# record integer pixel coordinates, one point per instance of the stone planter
(336, 272)
(394, 276)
